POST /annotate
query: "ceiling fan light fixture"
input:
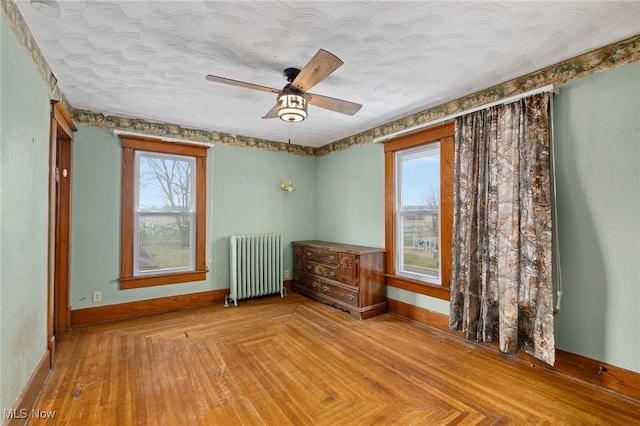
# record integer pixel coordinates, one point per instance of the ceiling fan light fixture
(292, 107)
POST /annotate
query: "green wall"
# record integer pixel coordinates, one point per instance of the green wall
(340, 197)
(246, 199)
(350, 199)
(350, 196)
(596, 125)
(597, 140)
(24, 164)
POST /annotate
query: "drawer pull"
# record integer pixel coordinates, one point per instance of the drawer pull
(332, 273)
(332, 258)
(350, 296)
(309, 254)
(314, 285)
(308, 266)
(325, 288)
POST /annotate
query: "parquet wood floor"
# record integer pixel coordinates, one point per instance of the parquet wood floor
(294, 361)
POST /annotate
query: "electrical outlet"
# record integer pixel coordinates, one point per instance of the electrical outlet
(97, 296)
(286, 274)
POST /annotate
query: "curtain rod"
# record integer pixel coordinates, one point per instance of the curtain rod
(161, 138)
(548, 88)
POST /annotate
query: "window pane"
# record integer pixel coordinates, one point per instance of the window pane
(165, 241)
(418, 219)
(165, 183)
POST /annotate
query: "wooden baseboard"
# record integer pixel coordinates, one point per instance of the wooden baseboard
(21, 410)
(141, 308)
(599, 373)
(415, 313)
(588, 370)
(52, 351)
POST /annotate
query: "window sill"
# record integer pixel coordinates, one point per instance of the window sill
(421, 287)
(127, 283)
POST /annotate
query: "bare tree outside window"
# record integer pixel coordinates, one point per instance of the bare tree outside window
(432, 202)
(165, 211)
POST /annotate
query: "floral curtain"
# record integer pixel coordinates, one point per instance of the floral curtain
(501, 277)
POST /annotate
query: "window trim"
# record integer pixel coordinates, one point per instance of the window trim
(401, 214)
(129, 146)
(445, 135)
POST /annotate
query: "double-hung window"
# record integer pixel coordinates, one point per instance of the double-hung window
(417, 222)
(418, 174)
(163, 213)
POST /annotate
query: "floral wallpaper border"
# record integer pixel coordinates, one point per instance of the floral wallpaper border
(137, 125)
(25, 38)
(607, 57)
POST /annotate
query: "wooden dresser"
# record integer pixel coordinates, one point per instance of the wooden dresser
(346, 276)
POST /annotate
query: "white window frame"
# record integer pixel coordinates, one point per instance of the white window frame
(401, 214)
(138, 213)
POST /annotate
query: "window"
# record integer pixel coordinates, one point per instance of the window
(418, 213)
(163, 213)
(419, 208)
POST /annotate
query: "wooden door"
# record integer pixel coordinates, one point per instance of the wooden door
(60, 152)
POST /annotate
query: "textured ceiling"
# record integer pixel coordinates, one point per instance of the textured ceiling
(148, 59)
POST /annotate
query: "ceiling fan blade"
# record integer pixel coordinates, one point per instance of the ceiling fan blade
(237, 83)
(317, 69)
(272, 112)
(333, 104)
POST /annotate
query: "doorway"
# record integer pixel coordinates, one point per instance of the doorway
(60, 159)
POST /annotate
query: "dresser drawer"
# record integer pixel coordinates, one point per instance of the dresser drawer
(343, 294)
(346, 276)
(321, 269)
(320, 255)
(309, 281)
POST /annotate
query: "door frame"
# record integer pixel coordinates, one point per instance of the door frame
(60, 157)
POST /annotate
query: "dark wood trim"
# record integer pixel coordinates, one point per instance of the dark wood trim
(129, 146)
(599, 373)
(419, 287)
(29, 395)
(588, 370)
(61, 133)
(63, 233)
(201, 211)
(446, 205)
(445, 135)
(432, 134)
(141, 308)
(153, 280)
(389, 217)
(62, 116)
(126, 213)
(415, 313)
(154, 145)
(287, 285)
(52, 349)
(51, 252)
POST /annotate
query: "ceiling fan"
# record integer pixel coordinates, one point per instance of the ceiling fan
(292, 100)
